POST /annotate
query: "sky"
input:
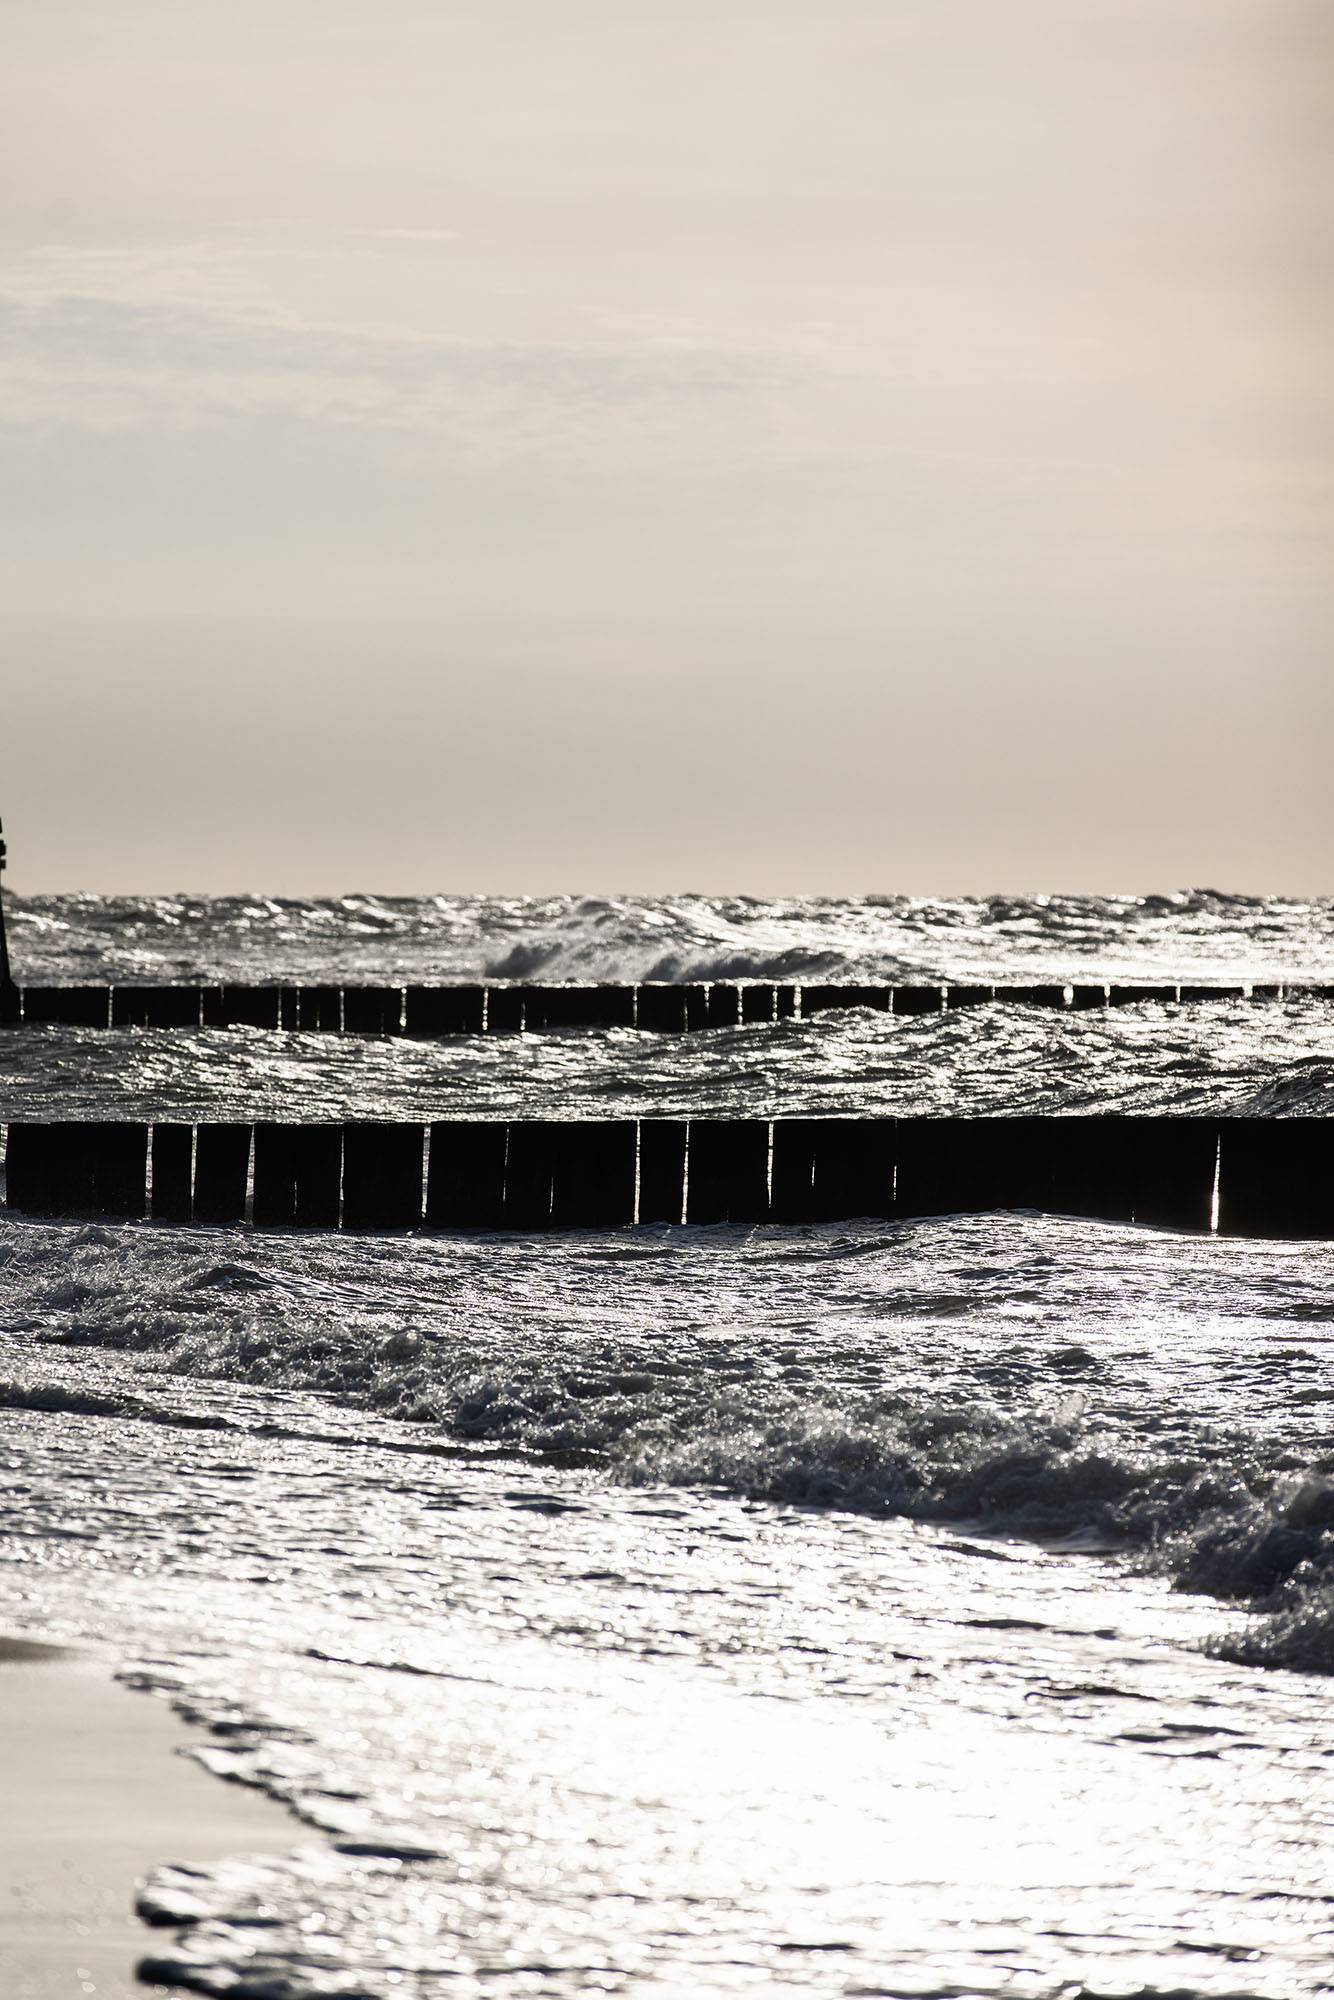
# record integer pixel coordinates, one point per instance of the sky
(774, 446)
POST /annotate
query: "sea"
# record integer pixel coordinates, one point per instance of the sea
(940, 1610)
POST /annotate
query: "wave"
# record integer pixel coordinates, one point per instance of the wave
(1191, 934)
(1300, 1090)
(557, 1351)
(1229, 1059)
(1235, 1531)
(1226, 1520)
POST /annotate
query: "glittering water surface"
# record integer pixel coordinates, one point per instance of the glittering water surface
(936, 1609)
(1198, 934)
(1240, 1057)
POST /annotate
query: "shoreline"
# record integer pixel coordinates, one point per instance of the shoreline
(93, 1801)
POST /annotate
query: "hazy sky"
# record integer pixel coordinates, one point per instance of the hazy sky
(661, 444)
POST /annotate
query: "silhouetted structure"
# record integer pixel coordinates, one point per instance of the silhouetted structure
(1242, 1176)
(9, 993)
(424, 1013)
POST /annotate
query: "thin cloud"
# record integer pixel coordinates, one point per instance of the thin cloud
(121, 340)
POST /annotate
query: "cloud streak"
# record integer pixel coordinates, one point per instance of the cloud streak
(121, 339)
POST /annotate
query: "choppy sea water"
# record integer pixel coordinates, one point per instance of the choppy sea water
(1198, 934)
(934, 1609)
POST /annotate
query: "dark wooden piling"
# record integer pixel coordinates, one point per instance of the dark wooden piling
(530, 1168)
(916, 999)
(792, 1193)
(611, 1006)
(960, 1166)
(504, 1010)
(31, 1176)
(1082, 1166)
(724, 1004)
(372, 1010)
(593, 1179)
(1276, 1177)
(661, 1010)
(129, 1006)
(1170, 1166)
(174, 1007)
(660, 1007)
(727, 1170)
(317, 1158)
(549, 1008)
(662, 1169)
(825, 999)
(697, 1007)
(758, 1003)
(382, 1175)
(120, 1170)
(95, 1169)
(541, 1009)
(172, 1164)
(68, 1006)
(274, 1197)
(319, 1009)
(244, 1007)
(71, 1169)
(297, 1177)
(222, 1166)
(853, 1168)
(435, 1011)
(465, 1186)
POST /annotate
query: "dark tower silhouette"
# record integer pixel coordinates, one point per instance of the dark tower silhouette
(9, 993)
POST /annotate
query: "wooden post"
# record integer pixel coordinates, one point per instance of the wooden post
(465, 1181)
(727, 1170)
(9, 993)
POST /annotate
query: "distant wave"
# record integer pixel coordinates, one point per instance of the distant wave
(1197, 933)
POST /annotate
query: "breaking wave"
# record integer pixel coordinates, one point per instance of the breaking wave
(1194, 933)
(1064, 1455)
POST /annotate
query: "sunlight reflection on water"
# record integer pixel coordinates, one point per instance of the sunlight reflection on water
(680, 1611)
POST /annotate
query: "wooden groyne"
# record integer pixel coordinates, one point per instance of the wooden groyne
(429, 1012)
(1240, 1176)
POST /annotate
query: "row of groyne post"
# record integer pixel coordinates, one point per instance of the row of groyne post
(431, 1011)
(1229, 1176)
(1232, 1177)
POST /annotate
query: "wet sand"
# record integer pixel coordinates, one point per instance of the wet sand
(92, 1799)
